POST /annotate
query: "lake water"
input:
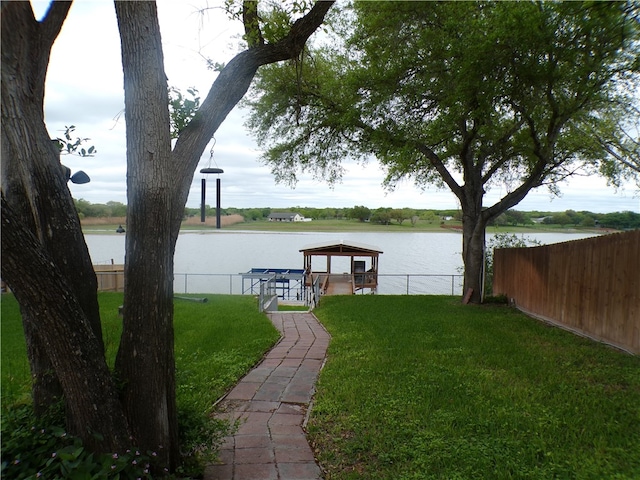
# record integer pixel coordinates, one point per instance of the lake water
(211, 261)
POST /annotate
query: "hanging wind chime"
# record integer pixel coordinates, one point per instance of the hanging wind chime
(209, 169)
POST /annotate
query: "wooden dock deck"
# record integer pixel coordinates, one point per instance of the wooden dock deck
(340, 285)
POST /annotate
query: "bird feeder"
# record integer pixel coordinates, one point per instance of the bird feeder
(207, 171)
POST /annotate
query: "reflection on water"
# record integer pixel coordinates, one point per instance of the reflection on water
(226, 252)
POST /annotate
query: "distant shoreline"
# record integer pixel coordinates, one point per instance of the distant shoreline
(105, 226)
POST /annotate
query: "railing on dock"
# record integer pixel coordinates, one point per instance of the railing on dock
(288, 284)
(313, 293)
(268, 297)
(388, 284)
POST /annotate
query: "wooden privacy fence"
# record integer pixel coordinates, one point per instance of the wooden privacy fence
(110, 277)
(590, 286)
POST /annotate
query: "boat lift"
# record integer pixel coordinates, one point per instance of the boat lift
(289, 282)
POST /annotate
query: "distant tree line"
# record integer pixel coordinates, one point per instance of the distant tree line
(100, 210)
(570, 218)
(387, 216)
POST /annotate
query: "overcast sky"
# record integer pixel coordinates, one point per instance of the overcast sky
(84, 88)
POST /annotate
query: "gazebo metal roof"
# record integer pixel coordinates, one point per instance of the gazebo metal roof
(341, 248)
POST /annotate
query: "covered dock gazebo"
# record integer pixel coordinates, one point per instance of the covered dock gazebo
(363, 273)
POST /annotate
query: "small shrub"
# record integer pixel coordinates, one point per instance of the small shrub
(200, 436)
(496, 300)
(35, 448)
(502, 240)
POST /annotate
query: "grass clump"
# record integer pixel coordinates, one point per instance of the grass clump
(423, 387)
(293, 308)
(216, 343)
(15, 376)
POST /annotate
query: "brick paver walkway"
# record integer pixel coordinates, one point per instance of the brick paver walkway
(271, 402)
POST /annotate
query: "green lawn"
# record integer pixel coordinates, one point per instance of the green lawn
(215, 344)
(14, 367)
(423, 387)
(415, 386)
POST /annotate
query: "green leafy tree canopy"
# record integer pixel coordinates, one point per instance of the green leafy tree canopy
(462, 95)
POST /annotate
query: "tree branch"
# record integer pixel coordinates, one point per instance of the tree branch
(633, 164)
(535, 179)
(234, 81)
(251, 22)
(433, 158)
(500, 143)
(441, 168)
(53, 20)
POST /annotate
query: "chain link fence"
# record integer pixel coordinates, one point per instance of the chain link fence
(388, 284)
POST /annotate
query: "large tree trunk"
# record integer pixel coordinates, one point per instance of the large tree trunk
(35, 188)
(147, 368)
(158, 183)
(75, 352)
(473, 246)
(473, 231)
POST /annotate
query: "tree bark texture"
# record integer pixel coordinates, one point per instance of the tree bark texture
(158, 181)
(473, 233)
(145, 361)
(35, 189)
(74, 352)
